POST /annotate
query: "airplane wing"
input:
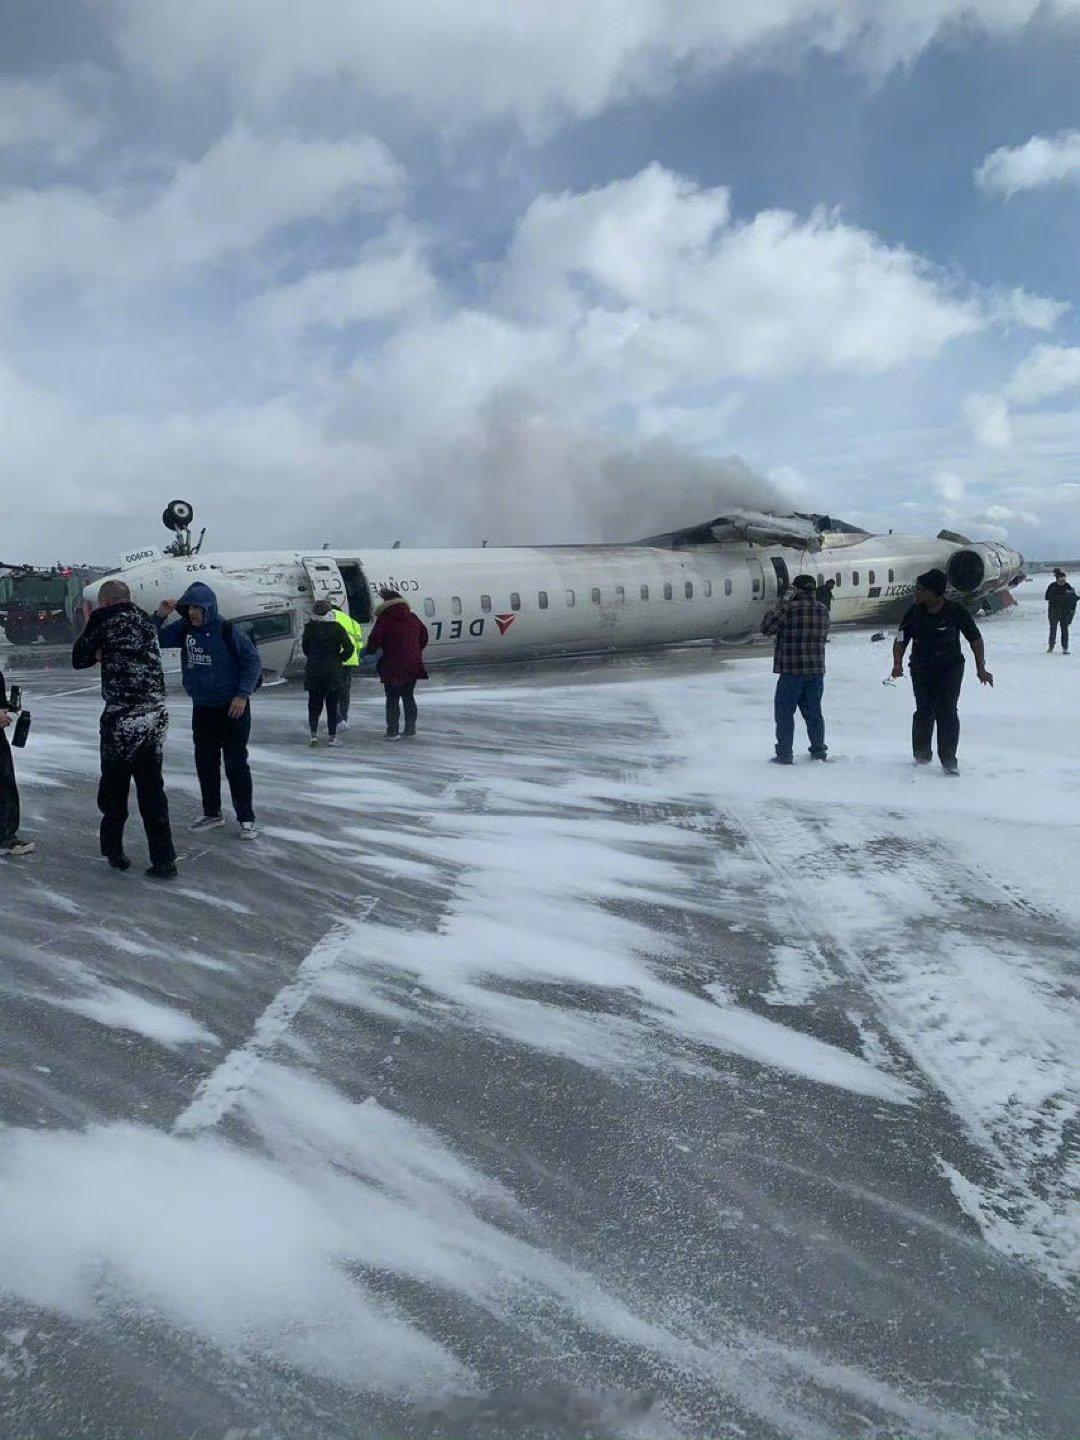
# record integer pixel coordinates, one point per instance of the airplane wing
(755, 527)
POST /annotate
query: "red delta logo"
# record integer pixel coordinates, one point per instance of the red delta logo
(504, 622)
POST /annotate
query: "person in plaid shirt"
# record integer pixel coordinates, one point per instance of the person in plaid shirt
(801, 626)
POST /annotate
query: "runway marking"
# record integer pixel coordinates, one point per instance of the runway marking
(224, 1086)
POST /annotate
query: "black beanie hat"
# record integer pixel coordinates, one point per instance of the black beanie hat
(933, 580)
(804, 582)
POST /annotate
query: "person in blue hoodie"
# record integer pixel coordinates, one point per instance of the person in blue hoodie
(221, 669)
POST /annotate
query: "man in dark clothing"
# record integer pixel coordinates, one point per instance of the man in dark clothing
(1060, 608)
(221, 669)
(10, 844)
(825, 594)
(933, 626)
(801, 626)
(401, 637)
(134, 723)
(327, 647)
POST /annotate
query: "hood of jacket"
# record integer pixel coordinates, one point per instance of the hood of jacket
(393, 610)
(201, 595)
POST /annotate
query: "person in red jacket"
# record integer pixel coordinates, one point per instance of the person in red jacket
(400, 637)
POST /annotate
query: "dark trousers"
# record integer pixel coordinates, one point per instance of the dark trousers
(802, 693)
(396, 696)
(218, 737)
(1054, 623)
(318, 696)
(345, 693)
(937, 692)
(9, 794)
(117, 772)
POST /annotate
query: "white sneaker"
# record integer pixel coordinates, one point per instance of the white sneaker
(207, 822)
(343, 724)
(18, 848)
(313, 741)
(248, 830)
(331, 740)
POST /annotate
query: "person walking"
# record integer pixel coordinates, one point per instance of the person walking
(825, 594)
(121, 638)
(1060, 608)
(800, 623)
(10, 814)
(355, 631)
(933, 627)
(401, 637)
(221, 670)
(328, 649)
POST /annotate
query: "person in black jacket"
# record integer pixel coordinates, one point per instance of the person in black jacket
(10, 844)
(134, 722)
(327, 647)
(933, 626)
(1060, 600)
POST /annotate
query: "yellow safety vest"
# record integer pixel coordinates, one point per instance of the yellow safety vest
(355, 632)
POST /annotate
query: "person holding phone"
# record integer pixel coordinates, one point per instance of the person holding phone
(10, 814)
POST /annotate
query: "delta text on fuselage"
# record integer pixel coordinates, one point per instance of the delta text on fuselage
(710, 582)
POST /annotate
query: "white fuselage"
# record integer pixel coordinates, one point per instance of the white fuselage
(484, 605)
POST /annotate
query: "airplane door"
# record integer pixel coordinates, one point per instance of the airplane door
(783, 579)
(327, 582)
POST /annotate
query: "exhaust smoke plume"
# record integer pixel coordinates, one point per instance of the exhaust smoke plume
(524, 476)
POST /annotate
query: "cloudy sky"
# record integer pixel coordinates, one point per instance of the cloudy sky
(535, 270)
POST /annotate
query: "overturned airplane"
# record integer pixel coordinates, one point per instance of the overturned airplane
(709, 582)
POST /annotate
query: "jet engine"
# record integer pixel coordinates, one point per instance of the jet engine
(982, 569)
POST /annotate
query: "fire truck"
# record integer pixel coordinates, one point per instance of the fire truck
(44, 605)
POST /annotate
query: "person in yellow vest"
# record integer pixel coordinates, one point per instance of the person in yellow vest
(355, 632)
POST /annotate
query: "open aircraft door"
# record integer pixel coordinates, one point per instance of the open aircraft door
(327, 581)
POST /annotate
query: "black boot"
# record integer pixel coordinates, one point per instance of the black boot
(119, 862)
(162, 872)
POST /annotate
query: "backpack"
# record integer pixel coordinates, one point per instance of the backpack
(227, 629)
(1068, 606)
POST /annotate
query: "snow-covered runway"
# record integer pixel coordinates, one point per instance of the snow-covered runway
(570, 1071)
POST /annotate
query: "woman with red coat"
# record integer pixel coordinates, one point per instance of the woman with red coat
(400, 636)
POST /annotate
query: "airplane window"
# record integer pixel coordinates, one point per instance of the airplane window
(620, 595)
(870, 577)
(854, 577)
(596, 595)
(455, 604)
(485, 604)
(667, 592)
(644, 592)
(839, 579)
(542, 597)
(570, 597)
(689, 590)
(429, 607)
(757, 586)
(261, 628)
(727, 587)
(515, 600)
(892, 577)
(708, 589)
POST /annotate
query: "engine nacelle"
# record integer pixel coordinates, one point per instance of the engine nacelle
(981, 569)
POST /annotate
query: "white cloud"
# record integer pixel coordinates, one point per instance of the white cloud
(952, 488)
(59, 116)
(651, 275)
(988, 418)
(470, 61)
(241, 190)
(1020, 307)
(1044, 160)
(1048, 371)
(391, 277)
